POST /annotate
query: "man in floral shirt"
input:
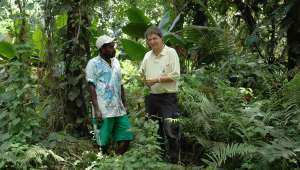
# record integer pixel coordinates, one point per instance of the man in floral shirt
(103, 74)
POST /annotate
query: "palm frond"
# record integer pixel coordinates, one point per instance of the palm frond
(210, 44)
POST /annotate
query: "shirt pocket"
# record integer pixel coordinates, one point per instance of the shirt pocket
(167, 68)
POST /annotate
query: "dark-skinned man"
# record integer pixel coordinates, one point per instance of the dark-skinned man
(104, 77)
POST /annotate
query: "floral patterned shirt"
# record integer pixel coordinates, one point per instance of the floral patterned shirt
(107, 81)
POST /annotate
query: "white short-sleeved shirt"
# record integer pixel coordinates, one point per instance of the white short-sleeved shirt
(107, 81)
(164, 64)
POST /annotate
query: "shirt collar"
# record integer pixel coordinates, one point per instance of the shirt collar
(105, 62)
(162, 53)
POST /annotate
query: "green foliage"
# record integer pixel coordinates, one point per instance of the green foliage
(200, 109)
(135, 30)
(20, 121)
(138, 23)
(136, 15)
(20, 156)
(251, 40)
(133, 85)
(282, 148)
(221, 154)
(266, 130)
(18, 102)
(38, 39)
(144, 152)
(134, 50)
(7, 50)
(209, 44)
(174, 39)
(285, 105)
(146, 140)
(61, 20)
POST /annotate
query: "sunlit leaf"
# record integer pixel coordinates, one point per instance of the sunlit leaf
(134, 50)
(174, 39)
(61, 20)
(38, 40)
(136, 30)
(136, 15)
(7, 50)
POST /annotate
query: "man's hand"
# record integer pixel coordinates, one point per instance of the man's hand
(98, 115)
(125, 106)
(151, 82)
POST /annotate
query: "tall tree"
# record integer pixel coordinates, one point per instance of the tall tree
(199, 17)
(76, 54)
(293, 35)
(22, 33)
(246, 13)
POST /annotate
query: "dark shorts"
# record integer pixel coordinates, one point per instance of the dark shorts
(162, 105)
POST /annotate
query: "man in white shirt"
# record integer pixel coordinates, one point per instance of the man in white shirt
(160, 70)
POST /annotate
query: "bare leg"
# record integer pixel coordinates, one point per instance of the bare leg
(122, 146)
(104, 149)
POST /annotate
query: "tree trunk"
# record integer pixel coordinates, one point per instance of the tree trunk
(249, 20)
(22, 34)
(77, 51)
(272, 44)
(293, 37)
(246, 14)
(199, 17)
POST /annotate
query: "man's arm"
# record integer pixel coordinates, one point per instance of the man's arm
(162, 79)
(123, 97)
(171, 76)
(93, 94)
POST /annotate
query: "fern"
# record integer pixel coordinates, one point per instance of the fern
(284, 108)
(200, 109)
(203, 140)
(25, 156)
(279, 149)
(197, 101)
(222, 153)
(38, 155)
(33, 153)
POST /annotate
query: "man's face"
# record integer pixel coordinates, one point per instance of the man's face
(108, 50)
(154, 41)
